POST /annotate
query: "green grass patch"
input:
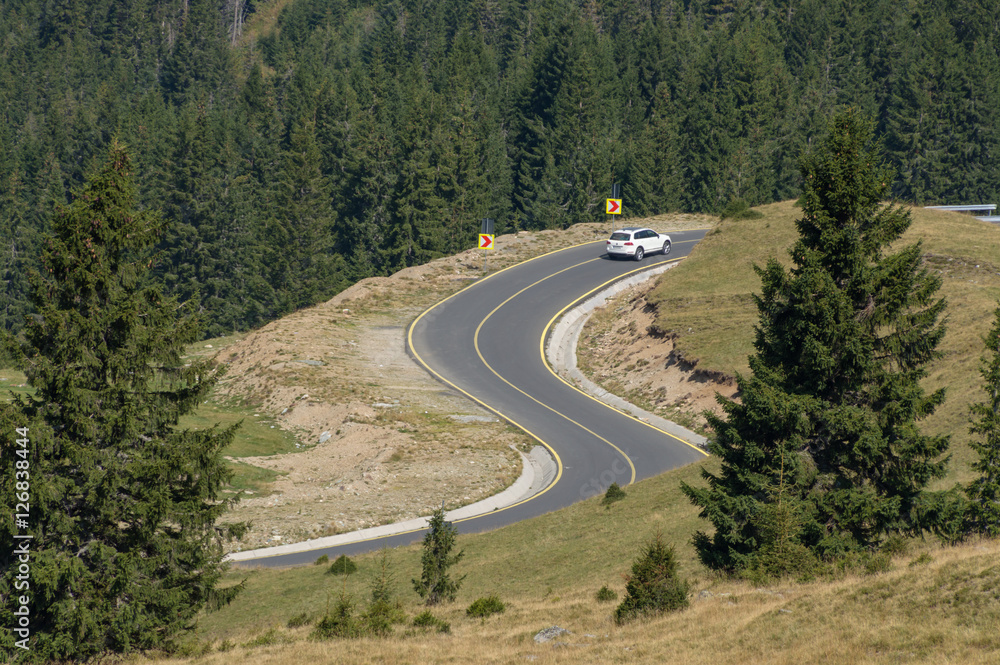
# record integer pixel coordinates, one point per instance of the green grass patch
(253, 478)
(706, 302)
(258, 435)
(12, 382)
(209, 347)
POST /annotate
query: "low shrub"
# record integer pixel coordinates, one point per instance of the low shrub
(605, 595)
(739, 209)
(323, 560)
(485, 607)
(614, 493)
(193, 649)
(339, 623)
(384, 610)
(344, 565)
(653, 586)
(299, 620)
(427, 620)
(264, 640)
(878, 563)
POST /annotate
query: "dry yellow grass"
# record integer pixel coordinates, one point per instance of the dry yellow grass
(935, 604)
(939, 606)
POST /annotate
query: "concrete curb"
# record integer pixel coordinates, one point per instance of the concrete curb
(537, 471)
(560, 349)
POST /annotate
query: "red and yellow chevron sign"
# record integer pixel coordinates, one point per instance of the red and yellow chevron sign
(614, 207)
(485, 241)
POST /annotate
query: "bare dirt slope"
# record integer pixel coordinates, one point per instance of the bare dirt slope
(380, 439)
(620, 351)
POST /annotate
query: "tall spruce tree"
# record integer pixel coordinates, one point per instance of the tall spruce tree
(834, 387)
(435, 584)
(984, 491)
(123, 506)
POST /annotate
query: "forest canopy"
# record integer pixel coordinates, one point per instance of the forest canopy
(296, 146)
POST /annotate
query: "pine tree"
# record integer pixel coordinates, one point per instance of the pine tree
(984, 491)
(926, 130)
(654, 178)
(435, 584)
(653, 586)
(372, 172)
(834, 392)
(756, 76)
(17, 252)
(418, 234)
(302, 200)
(584, 139)
(708, 121)
(123, 507)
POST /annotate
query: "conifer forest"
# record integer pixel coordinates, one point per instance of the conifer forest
(294, 147)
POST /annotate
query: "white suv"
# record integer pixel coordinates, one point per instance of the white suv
(636, 242)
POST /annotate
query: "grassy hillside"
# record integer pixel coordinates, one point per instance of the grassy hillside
(931, 605)
(706, 301)
(934, 605)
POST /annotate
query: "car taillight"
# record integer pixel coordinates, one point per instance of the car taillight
(628, 244)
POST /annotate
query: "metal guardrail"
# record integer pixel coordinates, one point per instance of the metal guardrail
(984, 207)
(987, 208)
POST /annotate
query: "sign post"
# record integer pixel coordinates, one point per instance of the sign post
(613, 206)
(486, 238)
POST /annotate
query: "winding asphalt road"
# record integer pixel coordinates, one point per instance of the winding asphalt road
(487, 342)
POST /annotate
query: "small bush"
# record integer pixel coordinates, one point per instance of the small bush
(323, 560)
(653, 586)
(790, 560)
(739, 209)
(606, 595)
(614, 493)
(299, 620)
(378, 619)
(895, 545)
(340, 623)
(194, 649)
(427, 620)
(380, 615)
(485, 607)
(921, 560)
(264, 640)
(878, 563)
(344, 565)
(384, 609)
(226, 645)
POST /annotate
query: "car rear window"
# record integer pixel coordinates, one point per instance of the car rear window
(621, 236)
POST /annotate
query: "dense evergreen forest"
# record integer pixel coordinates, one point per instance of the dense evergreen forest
(296, 146)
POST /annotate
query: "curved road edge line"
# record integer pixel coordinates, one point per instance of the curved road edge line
(577, 303)
(416, 356)
(483, 360)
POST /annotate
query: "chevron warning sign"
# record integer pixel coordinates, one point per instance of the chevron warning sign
(614, 207)
(485, 241)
